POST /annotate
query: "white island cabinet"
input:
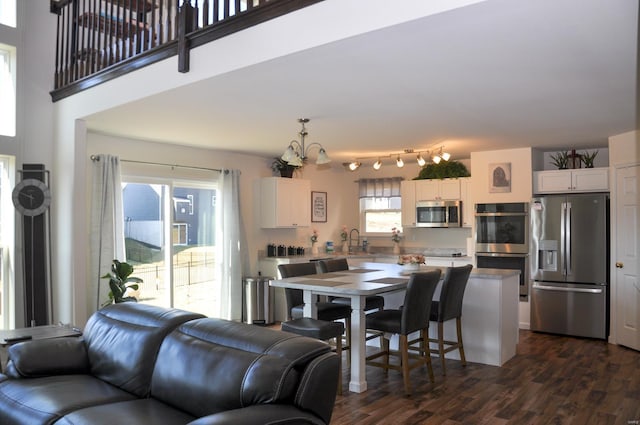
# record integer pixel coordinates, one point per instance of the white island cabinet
(285, 202)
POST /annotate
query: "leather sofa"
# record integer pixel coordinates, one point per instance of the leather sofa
(140, 364)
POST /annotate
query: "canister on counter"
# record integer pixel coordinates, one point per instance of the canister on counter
(330, 247)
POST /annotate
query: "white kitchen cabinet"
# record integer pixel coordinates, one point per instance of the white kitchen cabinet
(408, 196)
(577, 180)
(285, 202)
(429, 190)
(467, 203)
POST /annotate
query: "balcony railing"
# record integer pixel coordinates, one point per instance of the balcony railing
(98, 40)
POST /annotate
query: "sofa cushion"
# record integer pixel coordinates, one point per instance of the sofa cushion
(211, 365)
(123, 340)
(145, 411)
(44, 400)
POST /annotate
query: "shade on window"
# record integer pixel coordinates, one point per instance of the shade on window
(378, 188)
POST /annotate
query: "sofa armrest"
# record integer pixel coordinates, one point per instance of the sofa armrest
(58, 356)
(260, 414)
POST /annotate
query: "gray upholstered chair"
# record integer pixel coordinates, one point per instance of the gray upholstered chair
(373, 302)
(413, 317)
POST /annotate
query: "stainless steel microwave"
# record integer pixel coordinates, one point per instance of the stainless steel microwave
(438, 214)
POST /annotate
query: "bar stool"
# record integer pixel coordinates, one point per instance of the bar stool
(319, 329)
(449, 307)
(412, 317)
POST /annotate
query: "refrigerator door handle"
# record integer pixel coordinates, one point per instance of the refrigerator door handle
(566, 289)
(567, 240)
(563, 238)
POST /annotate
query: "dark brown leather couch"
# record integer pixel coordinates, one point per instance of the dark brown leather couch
(139, 364)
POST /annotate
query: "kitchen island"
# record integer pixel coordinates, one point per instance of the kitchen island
(489, 317)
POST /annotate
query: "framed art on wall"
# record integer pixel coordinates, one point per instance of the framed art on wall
(319, 207)
(500, 177)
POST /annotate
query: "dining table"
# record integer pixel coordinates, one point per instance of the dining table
(356, 284)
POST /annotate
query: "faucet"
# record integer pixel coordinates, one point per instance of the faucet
(351, 239)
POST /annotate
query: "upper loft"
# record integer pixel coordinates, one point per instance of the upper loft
(98, 40)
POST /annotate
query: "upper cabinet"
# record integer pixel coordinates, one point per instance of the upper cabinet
(285, 202)
(429, 190)
(408, 196)
(576, 180)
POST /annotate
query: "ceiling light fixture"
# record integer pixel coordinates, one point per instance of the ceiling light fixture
(399, 162)
(296, 153)
(377, 164)
(436, 159)
(353, 166)
(421, 160)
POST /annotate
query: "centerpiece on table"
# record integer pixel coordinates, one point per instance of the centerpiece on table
(411, 261)
(314, 242)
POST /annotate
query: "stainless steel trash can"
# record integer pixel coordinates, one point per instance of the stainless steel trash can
(258, 301)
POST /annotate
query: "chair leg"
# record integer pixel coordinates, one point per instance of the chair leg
(385, 349)
(404, 352)
(424, 336)
(460, 346)
(441, 346)
(339, 353)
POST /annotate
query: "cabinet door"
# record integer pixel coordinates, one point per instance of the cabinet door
(467, 202)
(408, 196)
(552, 181)
(591, 180)
(450, 189)
(285, 202)
(427, 190)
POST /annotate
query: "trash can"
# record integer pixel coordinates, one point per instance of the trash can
(258, 301)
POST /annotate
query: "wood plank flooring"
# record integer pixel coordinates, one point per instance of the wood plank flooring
(551, 380)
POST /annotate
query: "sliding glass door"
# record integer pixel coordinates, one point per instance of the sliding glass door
(170, 240)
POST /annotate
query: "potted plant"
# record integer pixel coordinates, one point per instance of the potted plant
(443, 170)
(121, 281)
(588, 157)
(280, 166)
(560, 160)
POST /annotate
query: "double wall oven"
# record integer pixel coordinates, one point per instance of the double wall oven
(502, 239)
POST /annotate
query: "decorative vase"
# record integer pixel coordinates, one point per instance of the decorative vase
(314, 248)
(287, 171)
(345, 247)
(396, 248)
(412, 267)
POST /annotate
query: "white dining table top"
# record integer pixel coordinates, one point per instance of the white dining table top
(368, 279)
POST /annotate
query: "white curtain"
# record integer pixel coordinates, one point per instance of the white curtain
(107, 224)
(231, 252)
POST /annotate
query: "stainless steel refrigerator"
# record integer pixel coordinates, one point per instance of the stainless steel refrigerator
(570, 264)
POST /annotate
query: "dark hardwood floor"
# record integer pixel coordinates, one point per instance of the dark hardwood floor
(551, 380)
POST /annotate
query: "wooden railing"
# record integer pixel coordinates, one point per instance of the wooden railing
(98, 40)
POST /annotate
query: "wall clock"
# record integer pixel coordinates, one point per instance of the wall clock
(31, 197)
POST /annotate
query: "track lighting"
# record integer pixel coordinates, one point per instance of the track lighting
(445, 156)
(399, 162)
(353, 166)
(421, 160)
(377, 164)
(436, 159)
(296, 152)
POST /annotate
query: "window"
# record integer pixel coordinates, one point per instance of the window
(170, 241)
(8, 90)
(380, 205)
(8, 13)
(7, 234)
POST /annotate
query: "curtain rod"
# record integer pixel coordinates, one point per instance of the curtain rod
(97, 158)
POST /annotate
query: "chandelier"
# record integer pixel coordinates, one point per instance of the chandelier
(296, 153)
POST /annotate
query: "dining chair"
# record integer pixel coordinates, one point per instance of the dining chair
(373, 302)
(449, 307)
(413, 317)
(295, 303)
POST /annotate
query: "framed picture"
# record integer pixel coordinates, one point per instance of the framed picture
(500, 177)
(319, 207)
